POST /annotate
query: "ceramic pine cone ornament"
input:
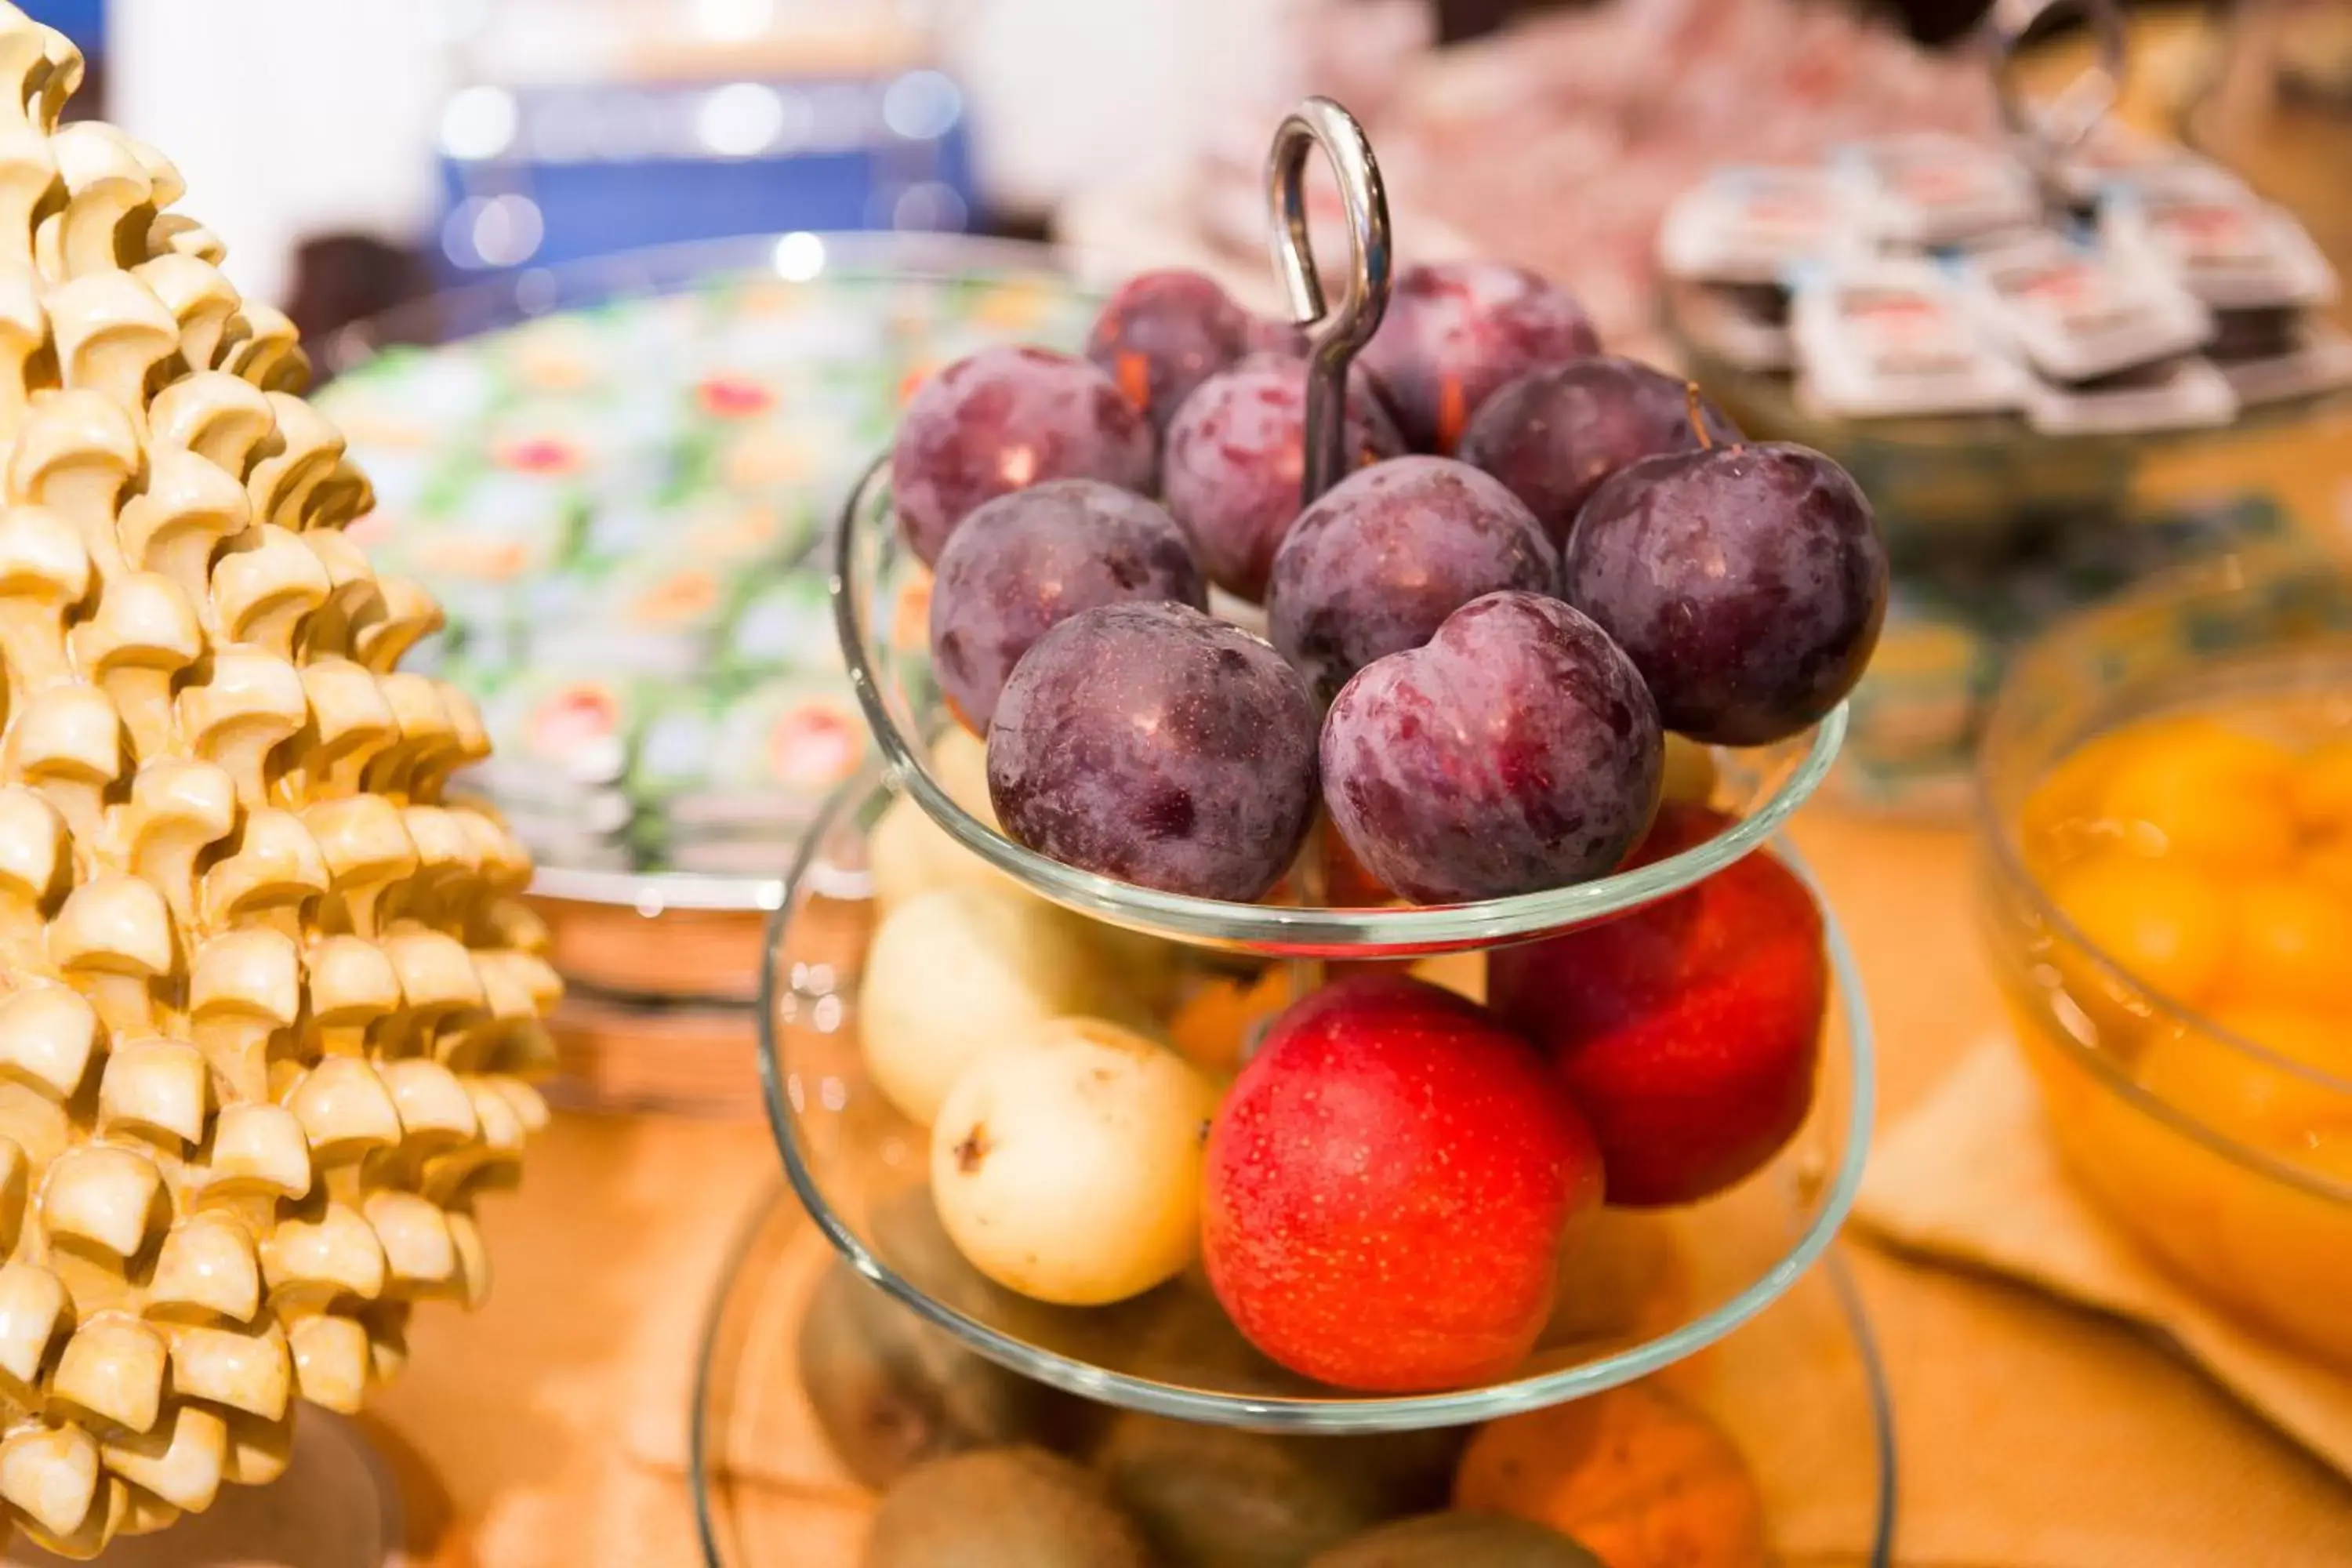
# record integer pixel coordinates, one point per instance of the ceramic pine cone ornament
(267, 999)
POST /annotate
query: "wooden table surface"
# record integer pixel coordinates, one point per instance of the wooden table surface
(553, 1418)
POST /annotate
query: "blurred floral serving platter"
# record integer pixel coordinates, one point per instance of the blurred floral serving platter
(617, 503)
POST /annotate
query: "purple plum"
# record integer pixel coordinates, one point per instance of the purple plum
(1025, 562)
(1456, 330)
(1554, 434)
(1155, 744)
(1163, 333)
(1747, 583)
(1376, 565)
(1236, 454)
(1517, 751)
(1002, 419)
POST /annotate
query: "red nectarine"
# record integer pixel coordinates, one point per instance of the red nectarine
(1390, 1186)
(1687, 1031)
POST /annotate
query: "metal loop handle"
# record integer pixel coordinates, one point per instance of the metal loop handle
(2048, 131)
(1333, 333)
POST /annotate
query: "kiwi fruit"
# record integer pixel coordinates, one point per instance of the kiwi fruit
(1456, 1540)
(1186, 1338)
(890, 1391)
(1214, 1496)
(1002, 1508)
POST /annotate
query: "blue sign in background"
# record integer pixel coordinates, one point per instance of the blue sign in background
(566, 173)
(83, 21)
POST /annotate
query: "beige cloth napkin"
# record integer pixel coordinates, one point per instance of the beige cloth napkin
(1971, 1177)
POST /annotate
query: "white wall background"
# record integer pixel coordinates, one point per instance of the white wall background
(293, 117)
(1072, 94)
(287, 116)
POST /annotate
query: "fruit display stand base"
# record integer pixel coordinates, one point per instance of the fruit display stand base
(1800, 1390)
(1377, 1318)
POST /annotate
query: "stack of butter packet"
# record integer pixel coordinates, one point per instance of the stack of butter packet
(2137, 286)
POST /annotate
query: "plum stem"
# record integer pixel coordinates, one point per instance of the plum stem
(1697, 420)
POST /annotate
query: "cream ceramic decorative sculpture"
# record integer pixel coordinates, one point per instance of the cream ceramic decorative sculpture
(267, 998)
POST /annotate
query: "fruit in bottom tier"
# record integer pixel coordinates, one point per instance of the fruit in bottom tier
(959, 971)
(1002, 419)
(1686, 1031)
(1214, 1496)
(1459, 1540)
(1002, 1508)
(1153, 744)
(1389, 552)
(892, 1390)
(1638, 1476)
(1163, 333)
(1456, 330)
(1236, 455)
(1021, 564)
(1555, 434)
(1747, 583)
(1390, 1186)
(1066, 1163)
(1518, 751)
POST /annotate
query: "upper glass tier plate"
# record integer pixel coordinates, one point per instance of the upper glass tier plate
(881, 599)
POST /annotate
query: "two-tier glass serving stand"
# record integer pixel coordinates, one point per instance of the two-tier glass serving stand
(1787, 1370)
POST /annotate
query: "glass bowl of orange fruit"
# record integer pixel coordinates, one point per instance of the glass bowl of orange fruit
(2167, 832)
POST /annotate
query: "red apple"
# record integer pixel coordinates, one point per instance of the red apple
(1686, 1032)
(1391, 1186)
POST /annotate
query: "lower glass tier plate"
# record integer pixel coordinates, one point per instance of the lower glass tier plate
(1799, 1389)
(862, 1170)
